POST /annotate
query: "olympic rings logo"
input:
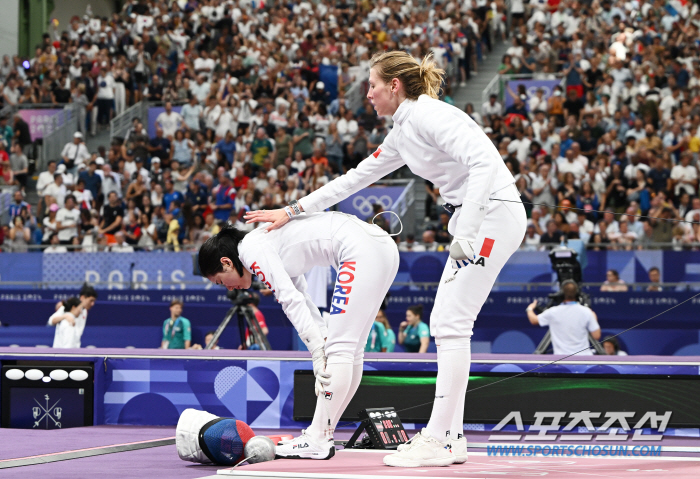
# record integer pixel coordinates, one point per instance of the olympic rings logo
(364, 205)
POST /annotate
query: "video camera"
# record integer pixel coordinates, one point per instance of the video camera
(565, 263)
(238, 297)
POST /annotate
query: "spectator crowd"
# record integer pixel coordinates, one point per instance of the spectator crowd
(618, 137)
(248, 122)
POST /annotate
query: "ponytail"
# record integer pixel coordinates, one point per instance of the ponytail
(70, 303)
(431, 76)
(224, 244)
(423, 78)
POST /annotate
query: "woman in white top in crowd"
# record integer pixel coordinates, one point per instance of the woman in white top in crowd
(49, 223)
(445, 146)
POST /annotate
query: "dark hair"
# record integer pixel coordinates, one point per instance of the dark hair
(612, 340)
(176, 301)
(224, 244)
(417, 310)
(654, 268)
(614, 272)
(88, 291)
(71, 303)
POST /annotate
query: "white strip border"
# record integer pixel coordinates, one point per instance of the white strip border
(388, 360)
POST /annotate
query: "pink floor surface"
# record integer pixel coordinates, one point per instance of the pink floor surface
(368, 465)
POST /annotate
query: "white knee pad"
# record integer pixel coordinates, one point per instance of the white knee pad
(448, 344)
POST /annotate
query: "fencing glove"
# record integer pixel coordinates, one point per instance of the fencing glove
(461, 253)
(323, 377)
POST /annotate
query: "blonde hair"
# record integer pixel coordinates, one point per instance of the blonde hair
(418, 79)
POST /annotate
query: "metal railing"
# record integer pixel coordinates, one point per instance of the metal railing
(493, 88)
(94, 248)
(6, 193)
(546, 288)
(402, 206)
(620, 246)
(497, 85)
(356, 94)
(120, 124)
(62, 127)
(537, 288)
(132, 284)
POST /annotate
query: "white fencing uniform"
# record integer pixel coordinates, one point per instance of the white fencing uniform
(366, 260)
(445, 146)
(63, 340)
(366, 267)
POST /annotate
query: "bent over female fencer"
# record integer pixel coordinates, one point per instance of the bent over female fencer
(366, 260)
(445, 146)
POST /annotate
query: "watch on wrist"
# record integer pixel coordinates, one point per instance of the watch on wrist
(294, 205)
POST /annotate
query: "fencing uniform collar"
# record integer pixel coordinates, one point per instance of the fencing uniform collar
(403, 111)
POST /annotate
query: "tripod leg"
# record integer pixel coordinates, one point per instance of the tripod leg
(254, 329)
(544, 344)
(221, 328)
(599, 349)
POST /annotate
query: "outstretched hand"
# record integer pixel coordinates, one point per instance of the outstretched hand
(277, 217)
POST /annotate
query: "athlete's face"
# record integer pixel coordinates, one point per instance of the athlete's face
(87, 302)
(380, 94)
(229, 277)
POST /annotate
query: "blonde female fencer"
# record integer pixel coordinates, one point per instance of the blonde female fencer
(445, 146)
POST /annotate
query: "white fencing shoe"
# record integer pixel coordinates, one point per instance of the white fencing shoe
(421, 451)
(459, 449)
(304, 447)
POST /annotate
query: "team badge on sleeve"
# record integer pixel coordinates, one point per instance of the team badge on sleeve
(487, 247)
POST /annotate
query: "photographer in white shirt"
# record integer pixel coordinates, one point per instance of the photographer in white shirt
(569, 323)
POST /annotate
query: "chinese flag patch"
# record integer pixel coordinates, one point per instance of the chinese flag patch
(376, 153)
(486, 247)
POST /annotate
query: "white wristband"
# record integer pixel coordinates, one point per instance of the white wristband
(289, 212)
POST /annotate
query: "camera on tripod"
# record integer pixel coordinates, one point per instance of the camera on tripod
(242, 300)
(565, 263)
(242, 297)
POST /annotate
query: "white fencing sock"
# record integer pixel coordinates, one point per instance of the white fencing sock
(457, 426)
(330, 404)
(454, 359)
(354, 384)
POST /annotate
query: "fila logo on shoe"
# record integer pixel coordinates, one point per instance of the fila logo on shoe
(341, 294)
(300, 446)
